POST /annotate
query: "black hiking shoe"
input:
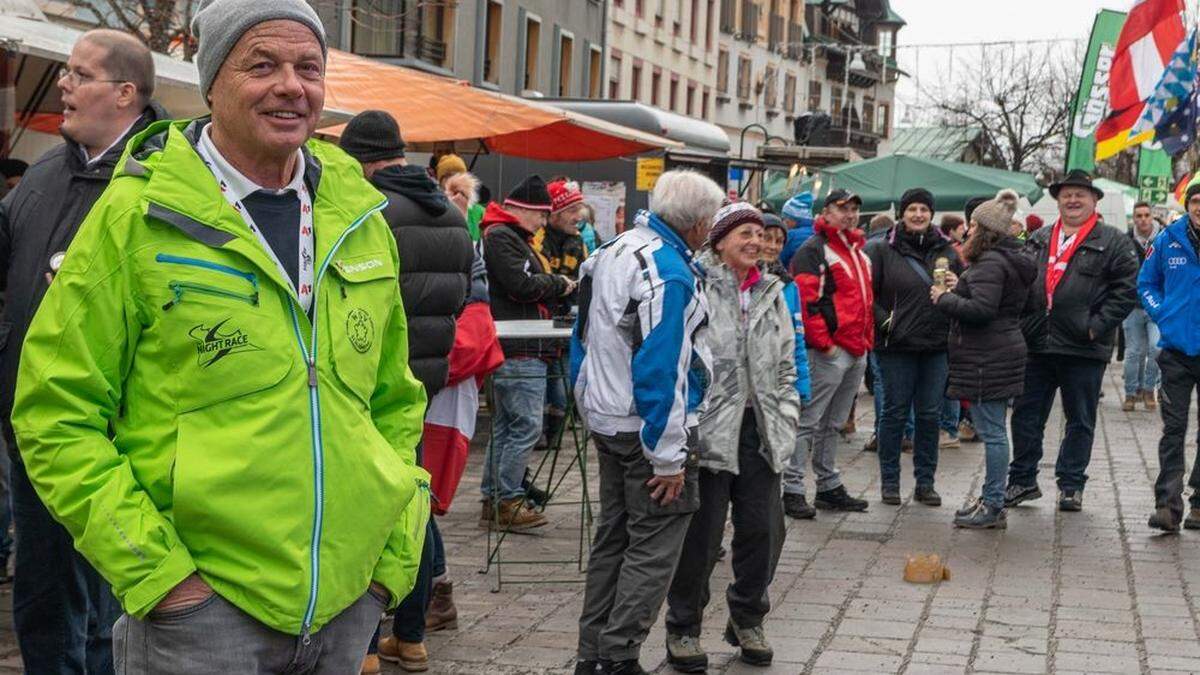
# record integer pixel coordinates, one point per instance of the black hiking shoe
(838, 499)
(1019, 494)
(796, 506)
(927, 495)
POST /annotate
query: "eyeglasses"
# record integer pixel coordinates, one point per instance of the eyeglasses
(75, 78)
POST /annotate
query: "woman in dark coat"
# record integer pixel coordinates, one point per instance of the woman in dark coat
(987, 349)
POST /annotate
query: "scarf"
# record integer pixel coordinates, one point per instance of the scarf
(1056, 264)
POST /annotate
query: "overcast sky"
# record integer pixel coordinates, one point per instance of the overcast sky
(935, 22)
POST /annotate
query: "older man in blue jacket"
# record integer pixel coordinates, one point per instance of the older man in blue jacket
(1168, 286)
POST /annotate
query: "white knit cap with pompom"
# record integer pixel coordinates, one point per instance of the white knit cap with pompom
(997, 214)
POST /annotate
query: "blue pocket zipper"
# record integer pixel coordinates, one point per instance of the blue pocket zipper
(208, 265)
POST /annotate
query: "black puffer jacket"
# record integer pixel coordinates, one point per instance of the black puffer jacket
(1096, 293)
(904, 316)
(987, 350)
(39, 218)
(518, 283)
(435, 266)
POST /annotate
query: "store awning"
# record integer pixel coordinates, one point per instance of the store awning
(693, 133)
(437, 111)
(176, 84)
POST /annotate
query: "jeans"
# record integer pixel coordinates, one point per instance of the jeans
(214, 636)
(911, 380)
(758, 532)
(519, 390)
(63, 610)
(635, 550)
(951, 412)
(1180, 375)
(556, 385)
(877, 397)
(835, 380)
(989, 424)
(1141, 352)
(1080, 380)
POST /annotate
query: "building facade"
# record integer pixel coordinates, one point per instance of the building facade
(663, 53)
(520, 47)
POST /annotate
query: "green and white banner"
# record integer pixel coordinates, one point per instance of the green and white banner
(1091, 101)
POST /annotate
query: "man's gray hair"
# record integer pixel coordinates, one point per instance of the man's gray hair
(684, 198)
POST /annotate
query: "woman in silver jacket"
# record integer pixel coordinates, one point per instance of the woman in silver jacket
(747, 431)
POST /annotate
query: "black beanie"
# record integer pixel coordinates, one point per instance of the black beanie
(372, 136)
(915, 196)
(972, 203)
(531, 194)
(1192, 190)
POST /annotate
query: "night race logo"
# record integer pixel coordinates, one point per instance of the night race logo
(214, 344)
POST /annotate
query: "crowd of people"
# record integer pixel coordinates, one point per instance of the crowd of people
(223, 341)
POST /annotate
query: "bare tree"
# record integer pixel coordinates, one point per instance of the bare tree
(1020, 97)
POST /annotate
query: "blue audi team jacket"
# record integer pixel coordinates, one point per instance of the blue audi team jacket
(1169, 286)
(791, 294)
(638, 358)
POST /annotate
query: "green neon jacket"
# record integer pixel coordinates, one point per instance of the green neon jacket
(168, 414)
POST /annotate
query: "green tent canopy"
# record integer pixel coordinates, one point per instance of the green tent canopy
(882, 180)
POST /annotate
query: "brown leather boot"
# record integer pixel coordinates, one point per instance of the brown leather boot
(442, 614)
(370, 665)
(1128, 404)
(516, 516)
(411, 656)
(1149, 400)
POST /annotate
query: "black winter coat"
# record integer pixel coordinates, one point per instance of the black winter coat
(435, 266)
(904, 317)
(39, 218)
(1097, 291)
(987, 350)
(518, 283)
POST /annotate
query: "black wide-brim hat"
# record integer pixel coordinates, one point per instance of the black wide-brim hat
(1076, 178)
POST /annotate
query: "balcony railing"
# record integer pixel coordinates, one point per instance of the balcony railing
(749, 29)
(430, 50)
(795, 40)
(864, 143)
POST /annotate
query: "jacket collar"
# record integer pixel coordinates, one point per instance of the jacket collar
(1178, 231)
(670, 237)
(854, 236)
(179, 188)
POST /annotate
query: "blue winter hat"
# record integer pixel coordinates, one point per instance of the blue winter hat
(799, 208)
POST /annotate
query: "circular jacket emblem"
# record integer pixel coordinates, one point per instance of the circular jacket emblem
(360, 330)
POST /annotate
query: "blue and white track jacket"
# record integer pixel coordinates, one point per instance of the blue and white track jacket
(638, 358)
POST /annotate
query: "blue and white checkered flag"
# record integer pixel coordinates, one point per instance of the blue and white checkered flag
(1173, 88)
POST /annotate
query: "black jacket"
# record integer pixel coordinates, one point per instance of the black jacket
(1096, 293)
(435, 266)
(518, 282)
(39, 218)
(987, 350)
(904, 316)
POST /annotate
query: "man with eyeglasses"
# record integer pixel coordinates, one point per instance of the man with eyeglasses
(62, 609)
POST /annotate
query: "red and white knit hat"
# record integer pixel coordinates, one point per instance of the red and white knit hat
(730, 217)
(564, 193)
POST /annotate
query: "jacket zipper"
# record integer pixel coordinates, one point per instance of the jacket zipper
(179, 288)
(314, 402)
(208, 265)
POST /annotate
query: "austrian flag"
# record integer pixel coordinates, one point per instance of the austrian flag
(1151, 34)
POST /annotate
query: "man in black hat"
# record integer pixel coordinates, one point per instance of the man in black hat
(436, 250)
(1086, 286)
(521, 288)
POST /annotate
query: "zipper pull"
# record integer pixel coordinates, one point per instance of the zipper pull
(305, 635)
(174, 301)
(312, 374)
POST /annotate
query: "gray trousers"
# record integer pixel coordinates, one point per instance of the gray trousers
(835, 381)
(217, 637)
(634, 553)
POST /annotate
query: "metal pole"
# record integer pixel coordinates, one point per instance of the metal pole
(846, 94)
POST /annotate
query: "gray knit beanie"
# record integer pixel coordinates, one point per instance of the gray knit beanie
(997, 214)
(219, 24)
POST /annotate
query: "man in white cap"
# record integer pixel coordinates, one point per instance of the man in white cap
(215, 398)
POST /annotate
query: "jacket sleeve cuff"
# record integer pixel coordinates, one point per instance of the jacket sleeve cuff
(148, 592)
(668, 468)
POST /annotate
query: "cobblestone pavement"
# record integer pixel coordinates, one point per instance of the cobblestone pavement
(1091, 592)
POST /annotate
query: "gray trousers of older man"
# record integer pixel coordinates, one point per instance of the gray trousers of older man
(216, 637)
(634, 553)
(835, 381)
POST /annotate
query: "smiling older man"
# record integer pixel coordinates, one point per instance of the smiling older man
(1086, 286)
(215, 397)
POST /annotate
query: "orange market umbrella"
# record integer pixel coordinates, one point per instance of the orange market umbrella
(436, 110)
